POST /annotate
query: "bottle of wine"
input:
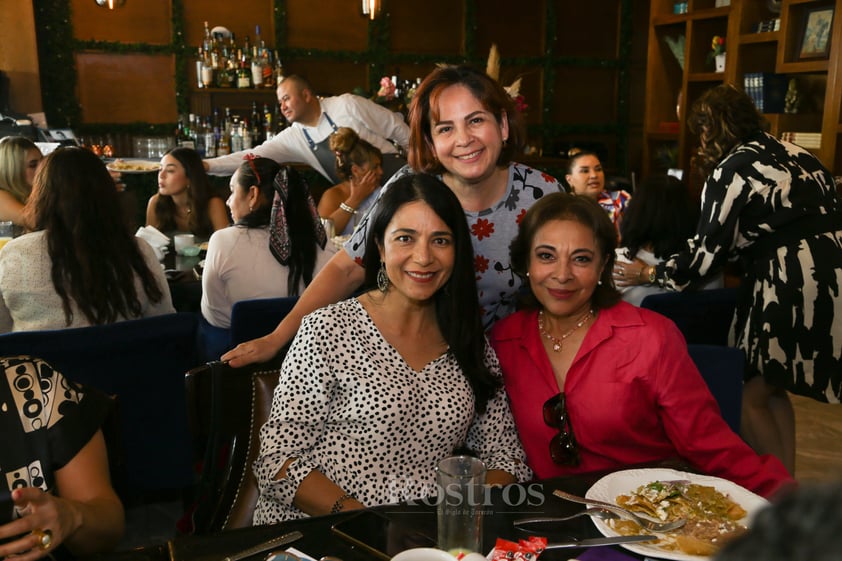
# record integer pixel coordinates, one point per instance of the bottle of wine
(210, 139)
(244, 73)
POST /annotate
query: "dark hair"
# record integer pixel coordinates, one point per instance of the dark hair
(661, 213)
(352, 150)
(302, 234)
(804, 525)
(267, 169)
(586, 211)
(198, 195)
(94, 256)
(723, 117)
(574, 154)
(300, 82)
(424, 109)
(457, 303)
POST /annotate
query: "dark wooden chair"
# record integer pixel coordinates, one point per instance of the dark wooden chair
(227, 406)
(703, 316)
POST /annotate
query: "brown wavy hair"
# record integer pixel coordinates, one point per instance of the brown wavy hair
(94, 256)
(198, 195)
(351, 150)
(424, 109)
(565, 206)
(722, 117)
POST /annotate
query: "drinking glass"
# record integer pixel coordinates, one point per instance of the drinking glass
(7, 230)
(460, 481)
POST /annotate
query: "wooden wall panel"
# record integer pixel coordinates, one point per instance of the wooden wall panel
(19, 56)
(239, 17)
(591, 31)
(135, 22)
(110, 94)
(585, 96)
(418, 27)
(514, 36)
(326, 24)
(330, 77)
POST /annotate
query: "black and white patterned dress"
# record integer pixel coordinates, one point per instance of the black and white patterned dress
(773, 204)
(348, 405)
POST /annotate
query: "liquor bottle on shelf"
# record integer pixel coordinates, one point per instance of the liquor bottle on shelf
(279, 69)
(182, 134)
(266, 67)
(268, 131)
(244, 72)
(245, 133)
(256, 68)
(199, 136)
(223, 146)
(210, 139)
(236, 138)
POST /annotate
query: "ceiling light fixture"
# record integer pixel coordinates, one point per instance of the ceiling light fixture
(110, 4)
(371, 8)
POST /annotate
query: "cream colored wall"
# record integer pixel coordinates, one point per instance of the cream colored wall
(19, 55)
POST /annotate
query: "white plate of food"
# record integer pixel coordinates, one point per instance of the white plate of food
(663, 494)
(133, 165)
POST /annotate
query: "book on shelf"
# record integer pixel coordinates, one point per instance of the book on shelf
(767, 25)
(767, 90)
(803, 139)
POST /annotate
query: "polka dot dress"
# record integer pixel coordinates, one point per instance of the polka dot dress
(349, 406)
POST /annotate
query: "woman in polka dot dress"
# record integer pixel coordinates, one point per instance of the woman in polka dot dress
(375, 390)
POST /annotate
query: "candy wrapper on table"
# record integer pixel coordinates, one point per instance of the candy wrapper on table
(523, 550)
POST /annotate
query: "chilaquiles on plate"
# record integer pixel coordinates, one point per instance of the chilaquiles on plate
(712, 517)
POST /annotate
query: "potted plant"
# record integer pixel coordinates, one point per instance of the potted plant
(717, 53)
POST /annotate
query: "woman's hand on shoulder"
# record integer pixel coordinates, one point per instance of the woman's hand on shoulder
(43, 517)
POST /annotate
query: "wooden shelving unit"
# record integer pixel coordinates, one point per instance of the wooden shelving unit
(672, 89)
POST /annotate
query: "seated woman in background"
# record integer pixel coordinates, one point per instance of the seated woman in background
(587, 178)
(358, 164)
(54, 465)
(80, 265)
(395, 379)
(19, 158)
(595, 383)
(185, 201)
(243, 261)
(656, 224)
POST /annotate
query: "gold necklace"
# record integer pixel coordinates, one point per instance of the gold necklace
(557, 343)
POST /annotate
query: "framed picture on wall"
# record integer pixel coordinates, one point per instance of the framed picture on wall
(815, 38)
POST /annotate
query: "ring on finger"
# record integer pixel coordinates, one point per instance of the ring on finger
(44, 537)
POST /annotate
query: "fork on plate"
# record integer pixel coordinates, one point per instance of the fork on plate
(651, 525)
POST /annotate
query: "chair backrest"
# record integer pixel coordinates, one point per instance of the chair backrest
(703, 316)
(722, 368)
(142, 363)
(251, 319)
(228, 406)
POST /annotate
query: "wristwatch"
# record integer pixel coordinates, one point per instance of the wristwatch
(652, 275)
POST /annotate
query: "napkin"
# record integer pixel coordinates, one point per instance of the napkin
(155, 238)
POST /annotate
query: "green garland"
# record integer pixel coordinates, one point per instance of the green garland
(56, 47)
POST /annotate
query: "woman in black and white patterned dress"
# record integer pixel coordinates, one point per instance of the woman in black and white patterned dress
(774, 205)
(375, 390)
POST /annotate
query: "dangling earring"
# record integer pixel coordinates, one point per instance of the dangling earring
(599, 283)
(527, 273)
(382, 278)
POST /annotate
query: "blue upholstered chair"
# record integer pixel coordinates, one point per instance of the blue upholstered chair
(703, 316)
(251, 319)
(722, 368)
(142, 363)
